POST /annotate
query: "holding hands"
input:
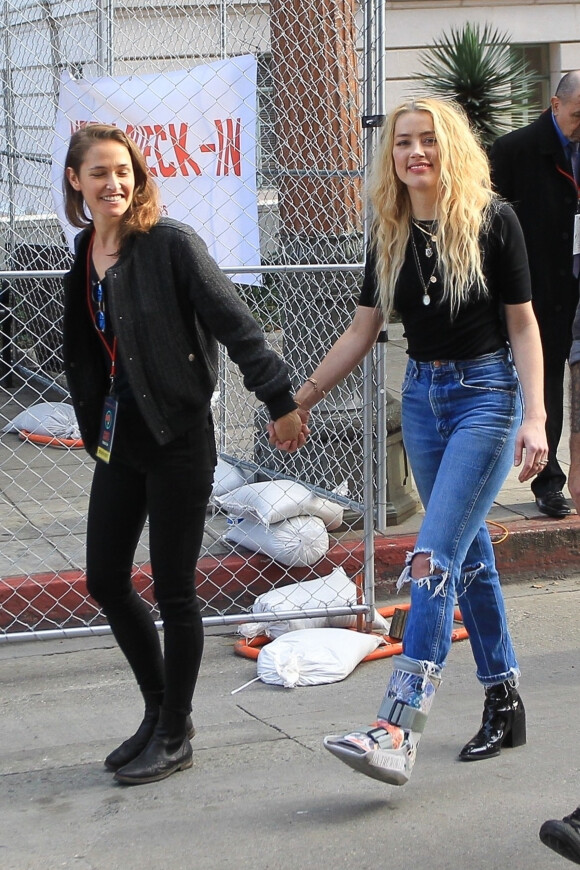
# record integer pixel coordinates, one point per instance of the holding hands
(289, 432)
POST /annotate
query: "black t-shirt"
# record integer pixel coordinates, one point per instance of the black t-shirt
(477, 328)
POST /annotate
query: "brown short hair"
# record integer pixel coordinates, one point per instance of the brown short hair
(144, 210)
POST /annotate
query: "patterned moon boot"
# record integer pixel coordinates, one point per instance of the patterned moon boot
(386, 751)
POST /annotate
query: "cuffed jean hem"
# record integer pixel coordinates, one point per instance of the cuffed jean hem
(416, 665)
(513, 675)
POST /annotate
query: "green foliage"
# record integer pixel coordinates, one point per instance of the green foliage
(476, 68)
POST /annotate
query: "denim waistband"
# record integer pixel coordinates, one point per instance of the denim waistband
(461, 365)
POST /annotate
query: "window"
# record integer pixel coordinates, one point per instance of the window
(538, 59)
(266, 134)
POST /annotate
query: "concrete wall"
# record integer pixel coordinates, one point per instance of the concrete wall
(412, 25)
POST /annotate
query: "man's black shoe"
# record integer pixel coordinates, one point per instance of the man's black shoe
(563, 836)
(553, 504)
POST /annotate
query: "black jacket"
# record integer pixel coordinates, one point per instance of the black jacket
(531, 170)
(170, 304)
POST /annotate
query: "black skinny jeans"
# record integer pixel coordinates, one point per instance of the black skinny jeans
(171, 485)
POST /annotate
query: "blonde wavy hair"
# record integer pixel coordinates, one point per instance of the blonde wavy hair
(145, 208)
(464, 206)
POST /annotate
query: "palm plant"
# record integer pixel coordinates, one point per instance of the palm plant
(476, 67)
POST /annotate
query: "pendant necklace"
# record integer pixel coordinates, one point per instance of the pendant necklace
(432, 279)
(431, 237)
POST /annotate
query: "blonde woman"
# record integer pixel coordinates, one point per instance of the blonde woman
(449, 257)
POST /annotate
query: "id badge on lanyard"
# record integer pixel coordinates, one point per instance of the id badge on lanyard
(576, 248)
(109, 416)
(107, 431)
(110, 405)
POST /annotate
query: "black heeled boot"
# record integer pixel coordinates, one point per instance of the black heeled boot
(503, 724)
(168, 751)
(134, 745)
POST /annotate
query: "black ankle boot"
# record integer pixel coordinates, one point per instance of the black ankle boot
(503, 724)
(134, 745)
(130, 748)
(168, 751)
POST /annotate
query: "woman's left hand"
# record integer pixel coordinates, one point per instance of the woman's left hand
(288, 432)
(531, 440)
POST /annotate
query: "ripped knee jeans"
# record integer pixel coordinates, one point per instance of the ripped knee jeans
(459, 420)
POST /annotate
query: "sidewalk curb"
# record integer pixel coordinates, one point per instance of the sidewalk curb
(533, 548)
(48, 600)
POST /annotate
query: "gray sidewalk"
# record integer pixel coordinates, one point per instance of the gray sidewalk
(263, 793)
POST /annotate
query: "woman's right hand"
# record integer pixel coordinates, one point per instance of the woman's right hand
(531, 448)
(288, 432)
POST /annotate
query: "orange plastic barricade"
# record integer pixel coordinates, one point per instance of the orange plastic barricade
(50, 441)
(250, 648)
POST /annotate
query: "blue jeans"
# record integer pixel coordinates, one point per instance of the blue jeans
(459, 421)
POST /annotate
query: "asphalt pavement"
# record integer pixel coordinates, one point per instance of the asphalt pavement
(263, 793)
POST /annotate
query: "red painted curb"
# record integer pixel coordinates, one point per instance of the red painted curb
(539, 548)
(50, 600)
(536, 547)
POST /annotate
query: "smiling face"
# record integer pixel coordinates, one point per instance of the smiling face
(416, 155)
(106, 180)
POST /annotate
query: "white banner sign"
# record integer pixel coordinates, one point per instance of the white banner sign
(197, 131)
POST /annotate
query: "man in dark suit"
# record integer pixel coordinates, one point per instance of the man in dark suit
(533, 169)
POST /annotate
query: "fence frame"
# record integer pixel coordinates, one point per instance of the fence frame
(374, 366)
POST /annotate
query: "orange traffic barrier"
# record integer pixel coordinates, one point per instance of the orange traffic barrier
(51, 441)
(250, 648)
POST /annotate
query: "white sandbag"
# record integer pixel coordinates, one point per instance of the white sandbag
(349, 621)
(272, 501)
(331, 590)
(326, 591)
(55, 419)
(313, 657)
(228, 477)
(296, 542)
(250, 630)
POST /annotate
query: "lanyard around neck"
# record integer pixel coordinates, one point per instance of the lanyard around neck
(112, 351)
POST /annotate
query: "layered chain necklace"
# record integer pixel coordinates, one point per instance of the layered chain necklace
(430, 251)
(430, 234)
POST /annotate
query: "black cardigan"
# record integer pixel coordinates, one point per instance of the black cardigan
(170, 304)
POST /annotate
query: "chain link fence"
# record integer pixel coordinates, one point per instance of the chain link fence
(249, 115)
